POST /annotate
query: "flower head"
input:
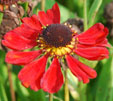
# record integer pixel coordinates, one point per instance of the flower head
(53, 40)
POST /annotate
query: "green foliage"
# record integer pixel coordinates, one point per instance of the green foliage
(99, 89)
(93, 11)
(3, 96)
(1, 17)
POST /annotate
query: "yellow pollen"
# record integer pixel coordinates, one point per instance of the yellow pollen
(58, 51)
(70, 26)
(63, 51)
(49, 49)
(68, 50)
(72, 43)
(65, 24)
(70, 46)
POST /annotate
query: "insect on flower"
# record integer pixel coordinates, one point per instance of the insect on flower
(53, 40)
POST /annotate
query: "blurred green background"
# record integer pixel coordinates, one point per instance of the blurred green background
(99, 89)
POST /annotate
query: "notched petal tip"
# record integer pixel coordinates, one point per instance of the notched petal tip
(25, 84)
(52, 16)
(31, 74)
(94, 35)
(53, 78)
(93, 74)
(33, 22)
(93, 53)
(15, 41)
(81, 71)
(99, 25)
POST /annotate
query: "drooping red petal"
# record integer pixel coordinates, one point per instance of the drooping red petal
(51, 17)
(31, 74)
(21, 58)
(104, 43)
(32, 22)
(26, 32)
(93, 53)
(53, 78)
(94, 35)
(92, 30)
(17, 42)
(81, 71)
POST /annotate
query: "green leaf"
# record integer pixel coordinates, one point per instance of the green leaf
(3, 96)
(65, 13)
(2, 56)
(49, 4)
(1, 17)
(88, 63)
(22, 92)
(105, 81)
(39, 95)
(92, 86)
(73, 85)
(3, 68)
(25, 6)
(101, 88)
(93, 11)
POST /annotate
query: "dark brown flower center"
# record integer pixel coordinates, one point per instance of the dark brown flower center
(57, 35)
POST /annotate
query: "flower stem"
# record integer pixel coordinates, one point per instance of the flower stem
(50, 97)
(85, 15)
(42, 5)
(11, 83)
(66, 86)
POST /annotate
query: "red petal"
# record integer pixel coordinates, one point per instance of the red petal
(53, 78)
(32, 22)
(94, 35)
(104, 43)
(32, 73)
(26, 32)
(21, 58)
(17, 42)
(54, 13)
(81, 71)
(52, 16)
(93, 53)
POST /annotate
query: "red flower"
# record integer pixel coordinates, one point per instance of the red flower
(53, 40)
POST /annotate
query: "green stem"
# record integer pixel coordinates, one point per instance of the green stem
(42, 5)
(66, 86)
(50, 97)
(11, 82)
(85, 15)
